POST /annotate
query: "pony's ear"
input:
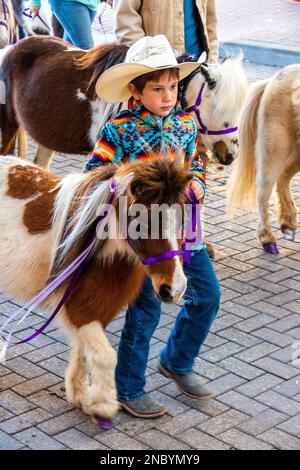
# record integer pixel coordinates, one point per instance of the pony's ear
(202, 58)
(210, 80)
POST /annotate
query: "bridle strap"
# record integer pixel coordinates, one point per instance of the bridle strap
(154, 259)
(203, 129)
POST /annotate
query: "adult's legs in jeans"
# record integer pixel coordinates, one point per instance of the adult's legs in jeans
(202, 299)
(141, 320)
(76, 19)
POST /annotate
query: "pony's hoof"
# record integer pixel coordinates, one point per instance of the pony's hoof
(289, 234)
(271, 248)
(104, 423)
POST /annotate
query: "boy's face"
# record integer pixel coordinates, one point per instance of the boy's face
(159, 97)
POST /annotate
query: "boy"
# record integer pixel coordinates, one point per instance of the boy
(151, 125)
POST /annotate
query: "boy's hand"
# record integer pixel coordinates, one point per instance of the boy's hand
(198, 189)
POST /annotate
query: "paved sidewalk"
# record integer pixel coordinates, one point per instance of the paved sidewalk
(247, 358)
(276, 21)
(267, 31)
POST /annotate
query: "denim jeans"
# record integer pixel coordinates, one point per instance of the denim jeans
(76, 19)
(202, 299)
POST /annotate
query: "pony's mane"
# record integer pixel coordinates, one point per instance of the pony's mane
(75, 213)
(101, 58)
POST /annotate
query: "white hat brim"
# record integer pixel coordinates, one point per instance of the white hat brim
(112, 85)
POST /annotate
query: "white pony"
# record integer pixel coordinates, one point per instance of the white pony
(269, 153)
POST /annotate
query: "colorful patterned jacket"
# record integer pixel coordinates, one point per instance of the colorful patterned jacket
(137, 134)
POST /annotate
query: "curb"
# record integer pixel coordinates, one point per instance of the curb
(262, 53)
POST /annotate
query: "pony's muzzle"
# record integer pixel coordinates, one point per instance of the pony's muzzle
(169, 294)
(228, 160)
(164, 293)
(221, 153)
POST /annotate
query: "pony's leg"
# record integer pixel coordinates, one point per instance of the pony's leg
(43, 157)
(270, 154)
(264, 190)
(100, 360)
(76, 376)
(22, 143)
(9, 131)
(287, 208)
(58, 30)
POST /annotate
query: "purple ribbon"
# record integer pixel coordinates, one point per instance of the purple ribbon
(68, 291)
(203, 129)
(192, 236)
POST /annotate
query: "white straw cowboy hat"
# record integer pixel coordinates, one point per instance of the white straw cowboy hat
(146, 55)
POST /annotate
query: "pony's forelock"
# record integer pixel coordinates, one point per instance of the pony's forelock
(99, 59)
(231, 87)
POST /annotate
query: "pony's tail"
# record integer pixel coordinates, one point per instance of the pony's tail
(241, 186)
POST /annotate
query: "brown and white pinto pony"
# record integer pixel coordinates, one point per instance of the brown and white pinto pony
(46, 221)
(51, 94)
(269, 153)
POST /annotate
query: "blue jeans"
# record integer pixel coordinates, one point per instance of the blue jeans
(76, 19)
(202, 300)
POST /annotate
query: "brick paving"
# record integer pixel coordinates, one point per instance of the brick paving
(246, 359)
(271, 21)
(274, 21)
